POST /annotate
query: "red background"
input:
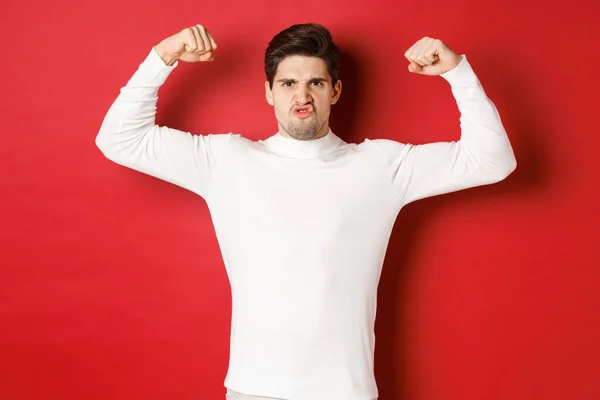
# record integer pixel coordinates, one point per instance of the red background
(112, 284)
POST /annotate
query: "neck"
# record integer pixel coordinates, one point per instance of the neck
(322, 132)
(304, 149)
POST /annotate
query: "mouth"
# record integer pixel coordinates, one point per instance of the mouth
(303, 111)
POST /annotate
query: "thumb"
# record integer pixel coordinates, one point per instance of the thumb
(208, 56)
(197, 57)
(414, 67)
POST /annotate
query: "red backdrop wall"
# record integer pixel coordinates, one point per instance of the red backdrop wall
(111, 282)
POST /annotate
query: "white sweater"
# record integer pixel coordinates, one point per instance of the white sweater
(303, 226)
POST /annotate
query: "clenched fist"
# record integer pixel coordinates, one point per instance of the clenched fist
(192, 44)
(430, 56)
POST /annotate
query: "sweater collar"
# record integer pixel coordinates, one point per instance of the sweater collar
(303, 148)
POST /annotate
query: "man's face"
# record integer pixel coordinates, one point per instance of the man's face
(302, 96)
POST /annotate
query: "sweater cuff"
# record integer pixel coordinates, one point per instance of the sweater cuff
(460, 75)
(155, 68)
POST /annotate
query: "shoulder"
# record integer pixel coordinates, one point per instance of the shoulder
(390, 148)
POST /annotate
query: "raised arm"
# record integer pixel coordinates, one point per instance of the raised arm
(483, 155)
(129, 136)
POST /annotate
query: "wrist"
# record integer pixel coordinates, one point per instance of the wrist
(167, 59)
(457, 61)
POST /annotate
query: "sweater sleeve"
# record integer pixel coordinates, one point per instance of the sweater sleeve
(129, 136)
(482, 156)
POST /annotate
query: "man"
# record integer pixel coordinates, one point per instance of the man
(302, 218)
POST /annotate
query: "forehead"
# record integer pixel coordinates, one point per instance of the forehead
(302, 67)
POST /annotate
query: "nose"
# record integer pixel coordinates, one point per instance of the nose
(302, 94)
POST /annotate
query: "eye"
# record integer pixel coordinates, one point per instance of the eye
(317, 83)
(287, 84)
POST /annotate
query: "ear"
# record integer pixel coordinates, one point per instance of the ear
(268, 93)
(337, 92)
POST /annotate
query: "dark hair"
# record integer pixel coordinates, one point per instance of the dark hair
(311, 40)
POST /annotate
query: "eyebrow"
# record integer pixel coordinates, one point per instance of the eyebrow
(317, 78)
